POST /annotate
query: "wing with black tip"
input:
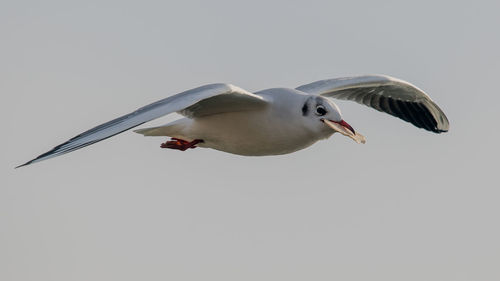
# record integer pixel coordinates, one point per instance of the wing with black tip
(386, 94)
(198, 102)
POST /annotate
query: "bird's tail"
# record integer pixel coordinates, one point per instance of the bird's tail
(170, 129)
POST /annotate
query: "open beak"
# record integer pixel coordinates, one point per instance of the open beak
(345, 129)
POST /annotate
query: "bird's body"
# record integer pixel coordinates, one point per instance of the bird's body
(270, 130)
(270, 122)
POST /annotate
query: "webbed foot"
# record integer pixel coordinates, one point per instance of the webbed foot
(175, 143)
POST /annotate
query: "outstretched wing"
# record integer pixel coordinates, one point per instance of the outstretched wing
(202, 101)
(387, 94)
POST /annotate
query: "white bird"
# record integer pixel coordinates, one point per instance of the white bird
(269, 122)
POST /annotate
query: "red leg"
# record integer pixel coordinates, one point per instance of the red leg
(175, 143)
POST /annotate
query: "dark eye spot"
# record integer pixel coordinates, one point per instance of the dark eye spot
(305, 109)
(320, 110)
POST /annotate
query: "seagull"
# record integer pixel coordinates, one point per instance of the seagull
(269, 122)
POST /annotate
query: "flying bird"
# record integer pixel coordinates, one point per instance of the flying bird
(269, 122)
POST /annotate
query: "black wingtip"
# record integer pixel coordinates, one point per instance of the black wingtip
(25, 164)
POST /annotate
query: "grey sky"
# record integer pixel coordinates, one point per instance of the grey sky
(408, 205)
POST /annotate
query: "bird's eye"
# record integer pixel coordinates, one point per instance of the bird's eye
(320, 110)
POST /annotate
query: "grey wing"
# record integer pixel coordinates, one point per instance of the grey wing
(201, 101)
(386, 94)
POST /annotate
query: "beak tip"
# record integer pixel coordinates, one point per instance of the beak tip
(345, 124)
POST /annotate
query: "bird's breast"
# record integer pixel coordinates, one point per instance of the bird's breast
(252, 133)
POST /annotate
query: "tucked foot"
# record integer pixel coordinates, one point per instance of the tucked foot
(175, 143)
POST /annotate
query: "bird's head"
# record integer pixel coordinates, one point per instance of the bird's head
(325, 116)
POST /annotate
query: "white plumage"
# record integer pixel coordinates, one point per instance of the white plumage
(270, 122)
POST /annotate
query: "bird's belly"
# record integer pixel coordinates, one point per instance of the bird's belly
(249, 134)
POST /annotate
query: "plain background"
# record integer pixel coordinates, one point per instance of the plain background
(408, 205)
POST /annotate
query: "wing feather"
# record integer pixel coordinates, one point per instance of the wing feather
(387, 94)
(201, 101)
